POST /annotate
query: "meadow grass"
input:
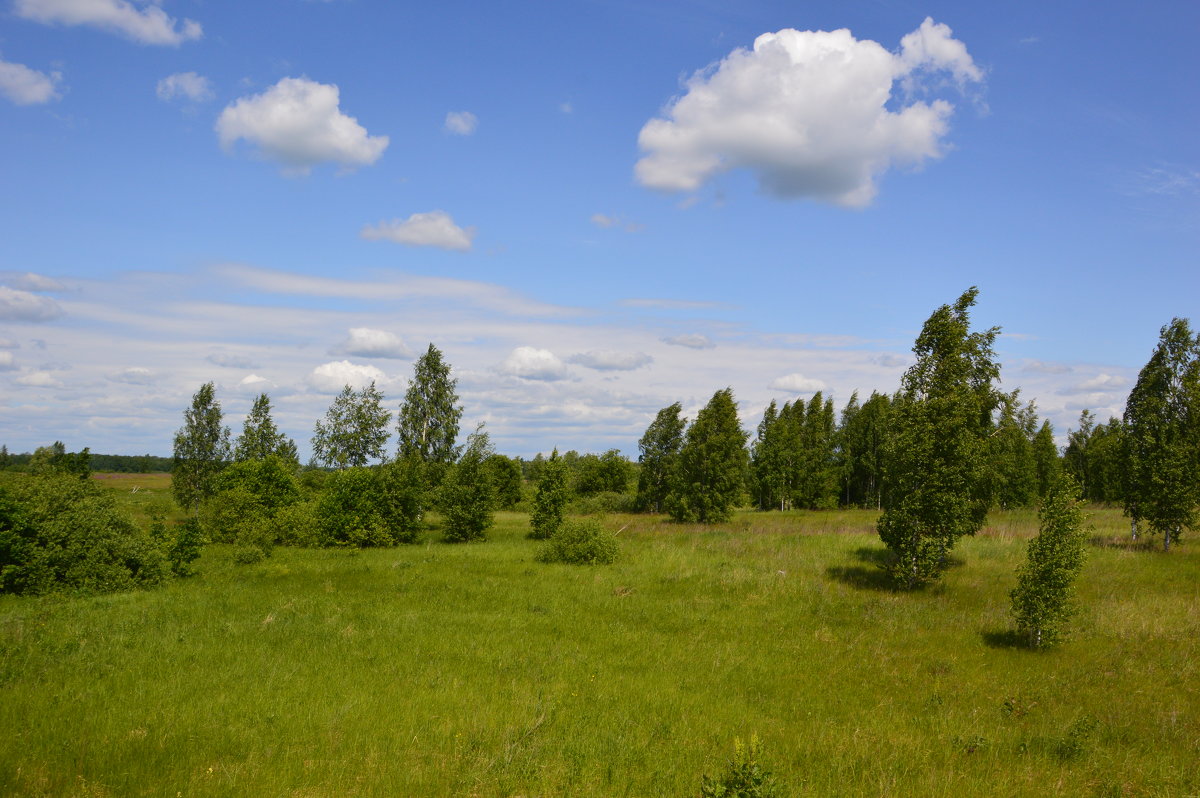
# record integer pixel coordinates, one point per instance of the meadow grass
(439, 669)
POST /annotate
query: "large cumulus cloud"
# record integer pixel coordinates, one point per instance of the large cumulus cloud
(812, 114)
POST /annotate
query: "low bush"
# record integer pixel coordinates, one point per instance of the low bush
(583, 542)
(745, 777)
(60, 533)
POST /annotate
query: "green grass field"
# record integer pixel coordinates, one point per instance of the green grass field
(441, 669)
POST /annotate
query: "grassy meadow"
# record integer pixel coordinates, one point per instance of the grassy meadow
(438, 670)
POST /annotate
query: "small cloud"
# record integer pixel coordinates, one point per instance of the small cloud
(566, 108)
(889, 361)
(23, 306)
(365, 342)
(189, 85)
(136, 375)
(1041, 367)
(252, 384)
(1028, 40)
(797, 383)
(28, 281)
(604, 221)
(24, 86)
(1099, 383)
(1016, 336)
(433, 229)
(332, 377)
(146, 25)
(7, 361)
(461, 123)
(38, 379)
(231, 361)
(610, 360)
(600, 220)
(534, 364)
(1165, 181)
(9, 343)
(690, 340)
(298, 122)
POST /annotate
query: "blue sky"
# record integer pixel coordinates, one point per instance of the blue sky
(593, 208)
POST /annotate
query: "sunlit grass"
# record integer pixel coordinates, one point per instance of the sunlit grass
(441, 669)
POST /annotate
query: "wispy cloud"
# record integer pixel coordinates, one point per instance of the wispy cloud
(146, 25)
(432, 229)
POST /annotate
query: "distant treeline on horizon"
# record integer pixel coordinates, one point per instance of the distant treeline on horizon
(120, 463)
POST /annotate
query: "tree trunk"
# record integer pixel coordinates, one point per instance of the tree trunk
(1133, 529)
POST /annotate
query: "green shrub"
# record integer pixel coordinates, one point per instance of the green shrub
(466, 494)
(583, 542)
(185, 548)
(297, 525)
(605, 503)
(745, 777)
(60, 533)
(550, 499)
(349, 510)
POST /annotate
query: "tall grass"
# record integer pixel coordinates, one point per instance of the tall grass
(440, 669)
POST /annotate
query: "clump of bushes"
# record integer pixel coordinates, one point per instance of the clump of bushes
(60, 533)
(583, 542)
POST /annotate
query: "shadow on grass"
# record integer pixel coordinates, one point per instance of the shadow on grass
(1004, 638)
(1125, 543)
(861, 577)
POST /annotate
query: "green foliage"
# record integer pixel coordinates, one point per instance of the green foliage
(186, 547)
(1047, 464)
(466, 496)
(1162, 436)
(348, 512)
(428, 420)
(744, 777)
(1042, 600)
(55, 459)
(936, 454)
(584, 542)
(60, 533)
(711, 475)
(298, 524)
(607, 473)
(505, 474)
(260, 438)
(659, 454)
(249, 496)
(201, 450)
(354, 431)
(550, 499)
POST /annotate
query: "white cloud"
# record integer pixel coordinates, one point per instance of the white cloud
(605, 221)
(609, 360)
(797, 383)
(7, 361)
(690, 340)
(671, 304)
(1042, 367)
(25, 86)
(146, 25)
(889, 361)
(534, 364)
(38, 379)
(231, 361)
(1099, 383)
(332, 377)
(28, 281)
(433, 229)
(196, 88)
(462, 123)
(365, 342)
(18, 305)
(298, 123)
(136, 375)
(808, 113)
(9, 343)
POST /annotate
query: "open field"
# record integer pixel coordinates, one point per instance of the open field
(441, 669)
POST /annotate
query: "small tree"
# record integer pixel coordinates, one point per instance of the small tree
(659, 447)
(711, 474)
(428, 420)
(550, 499)
(201, 450)
(941, 421)
(1162, 436)
(1041, 601)
(505, 474)
(466, 492)
(260, 438)
(355, 429)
